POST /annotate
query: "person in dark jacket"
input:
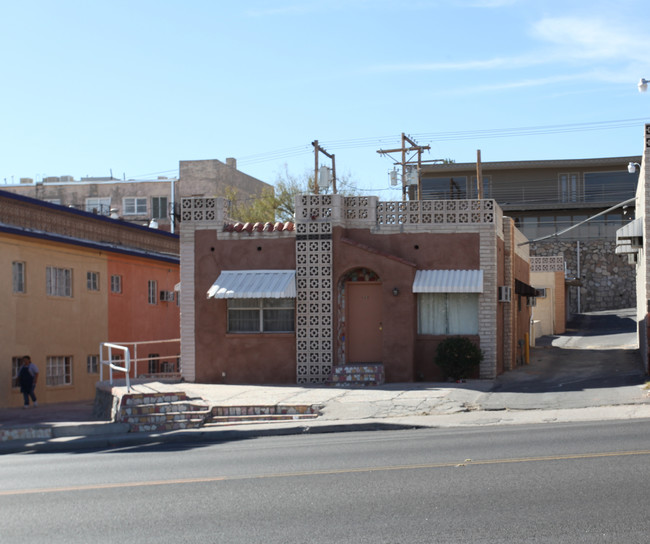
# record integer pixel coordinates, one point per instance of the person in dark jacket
(27, 378)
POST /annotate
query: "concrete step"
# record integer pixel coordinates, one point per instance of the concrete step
(219, 421)
(357, 375)
(262, 410)
(136, 399)
(166, 426)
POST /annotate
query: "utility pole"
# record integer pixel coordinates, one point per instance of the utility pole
(318, 148)
(414, 147)
(479, 175)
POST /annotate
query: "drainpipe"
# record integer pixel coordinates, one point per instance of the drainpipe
(579, 280)
(172, 217)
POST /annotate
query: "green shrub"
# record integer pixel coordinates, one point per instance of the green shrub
(458, 357)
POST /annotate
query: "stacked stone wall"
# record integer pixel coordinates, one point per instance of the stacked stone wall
(608, 281)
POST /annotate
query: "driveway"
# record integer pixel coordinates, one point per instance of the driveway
(596, 363)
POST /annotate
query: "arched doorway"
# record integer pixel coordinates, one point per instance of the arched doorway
(362, 338)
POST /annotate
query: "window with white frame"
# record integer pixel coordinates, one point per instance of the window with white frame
(16, 363)
(447, 313)
(254, 315)
(58, 370)
(92, 364)
(58, 281)
(99, 205)
(116, 283)
(153, 292)
(18, 276)
(159, 207)
(92, 281)
(134, 205)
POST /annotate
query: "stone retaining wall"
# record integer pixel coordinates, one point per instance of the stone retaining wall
(608, 281)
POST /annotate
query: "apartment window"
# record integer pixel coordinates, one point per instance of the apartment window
(92, 281)
(134, 206)
(153, 292)
(154, 358)
(444, 188)
(261, 315)
(59, 281)
(116, 283)
(159, 207)
(59, 370)
(569, 190)
(92, 364)
(16, 363)
(447, 313)
(609, 186)
(18, 276)
(99, 205)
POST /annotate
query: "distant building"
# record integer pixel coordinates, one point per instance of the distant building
(545, 197)
(142, 201)
(70, 280)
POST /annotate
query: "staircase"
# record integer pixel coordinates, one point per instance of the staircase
(151, 412)
(357, 375)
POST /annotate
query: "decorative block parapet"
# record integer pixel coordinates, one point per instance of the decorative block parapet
(437, 212)
(204, 210)
(547, 264)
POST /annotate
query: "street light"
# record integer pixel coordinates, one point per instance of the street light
(631, 167)
(643, 85)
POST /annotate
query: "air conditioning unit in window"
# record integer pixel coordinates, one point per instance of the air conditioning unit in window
(541, 292)
(167, 296)
(505, 293)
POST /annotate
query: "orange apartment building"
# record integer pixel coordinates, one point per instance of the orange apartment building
(73, 280)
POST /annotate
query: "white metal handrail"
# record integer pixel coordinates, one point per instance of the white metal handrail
(111, 364)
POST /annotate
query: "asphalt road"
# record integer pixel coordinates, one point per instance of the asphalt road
(527, 484)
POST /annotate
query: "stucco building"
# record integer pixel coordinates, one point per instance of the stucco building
(72, 280)
(141, 201)
(545, 197)
(355, 282)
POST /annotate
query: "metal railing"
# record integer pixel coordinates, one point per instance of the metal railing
(130, 363)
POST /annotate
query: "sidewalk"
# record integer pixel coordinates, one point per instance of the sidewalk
(70, 426)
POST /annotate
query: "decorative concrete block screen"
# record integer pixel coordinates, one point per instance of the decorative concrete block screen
(423, 212)
(204, 209)
(547, 264)
(314, 308)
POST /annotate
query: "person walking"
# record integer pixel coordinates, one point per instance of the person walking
(27, 378)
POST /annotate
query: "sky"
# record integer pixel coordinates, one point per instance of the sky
(95, 87)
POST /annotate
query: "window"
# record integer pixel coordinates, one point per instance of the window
(116, 283)
(92, 281)
(609, 186)
(53, 200)
(153, 292)
(99, 205)
(447, 313)
(59, 281)
(92, 364)
(59, 370)
(444, 188)
(261, 315)
(18, 275)
(569, 191)
(159, 207)
(134, 206)
(153, 362)
(16, 363)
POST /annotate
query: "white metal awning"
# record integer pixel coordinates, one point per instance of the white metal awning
(448, 281)
(634, 229)
(254, 284)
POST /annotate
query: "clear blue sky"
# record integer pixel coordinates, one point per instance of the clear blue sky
(135, 86)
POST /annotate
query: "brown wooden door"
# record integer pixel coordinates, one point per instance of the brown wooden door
(364, 322)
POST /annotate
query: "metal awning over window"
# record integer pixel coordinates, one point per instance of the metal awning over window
(634, 229)
(524, 289)
(448, 281)
(254, 284)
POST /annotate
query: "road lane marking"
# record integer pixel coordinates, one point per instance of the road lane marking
(359, 470)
